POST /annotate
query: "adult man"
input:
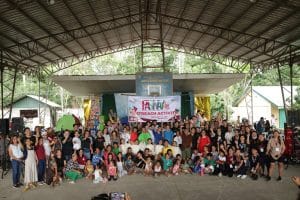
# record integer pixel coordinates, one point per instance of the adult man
(168, 134)
(186, 144)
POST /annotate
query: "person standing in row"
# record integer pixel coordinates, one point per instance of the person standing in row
(31, 160)
(16, 156)
(275, 150)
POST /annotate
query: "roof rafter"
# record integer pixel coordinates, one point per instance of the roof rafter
(274, 7)
(230, 25)
(101, 28)
(180, 17)
(267, 28)
(214, 21)
(76, 36)
(79, 22)
(41, 27)
(28, 36)
(113, 19)
(197, 19)
(279, 36)
(57, 20)
(30, 51)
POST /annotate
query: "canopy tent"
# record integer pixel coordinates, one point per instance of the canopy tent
(67, 122)
(34, 34)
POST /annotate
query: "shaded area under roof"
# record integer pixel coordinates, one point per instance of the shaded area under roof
(202, 84)
(232, 32)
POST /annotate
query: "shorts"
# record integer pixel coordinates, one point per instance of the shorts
(280, 159)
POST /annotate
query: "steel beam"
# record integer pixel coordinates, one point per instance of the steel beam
(214, 21)
(273, 25)
(274, 7)
(99, 25)
(81, 25)
(57, 20)
(12, 93)
(282, 92)
(192, 27)
(41, 27)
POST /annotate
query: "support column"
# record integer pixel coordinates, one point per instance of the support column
(251, 86)
(282, 92)
(291, 79)
(2, 93)
(12, 93)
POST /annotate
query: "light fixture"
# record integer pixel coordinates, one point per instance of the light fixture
(51, 2)
(252, 1)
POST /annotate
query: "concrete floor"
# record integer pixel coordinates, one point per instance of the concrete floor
(187, 187)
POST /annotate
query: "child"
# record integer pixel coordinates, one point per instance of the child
(220, 169)
(157, 169)
(176, 167)
(129, 165)
(210, 164)
(214, 153)
(240, 165)
(98, 175)
(120, 164)
(123, 146)
(148, 167)
(30, 157)
(89, 170)
(186, 168)
(195, 154)
(51, 171)
(167, 164)
(76, 141)
(254, 163)
(198, 166)
(230, 162)
(111, 168)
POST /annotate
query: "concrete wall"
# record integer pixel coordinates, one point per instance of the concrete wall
(261, 108)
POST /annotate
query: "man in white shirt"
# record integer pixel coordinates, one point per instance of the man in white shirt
(125, 135)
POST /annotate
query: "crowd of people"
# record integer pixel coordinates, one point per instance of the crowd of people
(191, 146)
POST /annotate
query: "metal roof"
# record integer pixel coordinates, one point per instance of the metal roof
(36, 33)
(39, 99)
(200, 84)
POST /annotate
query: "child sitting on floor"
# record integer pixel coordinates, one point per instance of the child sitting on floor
(129, 165)
(98, 175)
(198, 166)
(176, 167)
(157, 169)
(148, 167)
(89, 169)
(120, 165)
(186, 168)
(209, 164)
(111, 168)
(167, 163)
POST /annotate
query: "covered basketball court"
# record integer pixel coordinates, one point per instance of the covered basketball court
(43, 37)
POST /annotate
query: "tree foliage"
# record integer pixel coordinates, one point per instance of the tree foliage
(130, 61)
